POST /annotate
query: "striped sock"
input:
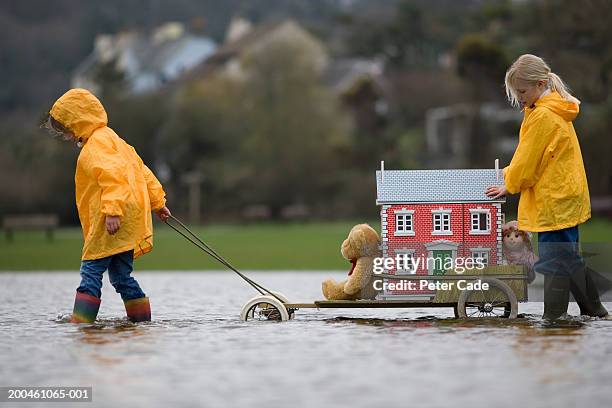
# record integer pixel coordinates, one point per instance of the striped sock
(138, 310)
(85, 308)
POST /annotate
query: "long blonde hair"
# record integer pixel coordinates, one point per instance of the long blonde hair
(532, 68)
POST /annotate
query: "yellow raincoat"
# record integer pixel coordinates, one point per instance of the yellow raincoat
(547, 168)
(110, 179)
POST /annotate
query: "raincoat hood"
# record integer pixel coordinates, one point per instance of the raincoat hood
(562, 107)
(79, 111)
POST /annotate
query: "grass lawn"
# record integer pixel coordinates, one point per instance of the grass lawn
(254, 246)
(257, 246)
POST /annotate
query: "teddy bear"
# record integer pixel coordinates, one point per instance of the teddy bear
(517, 248)
(360, 248)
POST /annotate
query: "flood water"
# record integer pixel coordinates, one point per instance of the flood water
(196, 351)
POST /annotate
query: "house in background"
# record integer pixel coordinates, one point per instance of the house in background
(362, 88)
(242, 40)
(342, 73)
(145, 61)
(437, 214)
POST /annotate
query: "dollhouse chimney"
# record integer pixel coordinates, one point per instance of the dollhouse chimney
(497, 170)
(382, 171)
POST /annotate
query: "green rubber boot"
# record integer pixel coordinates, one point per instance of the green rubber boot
(556, 296)
(586, 294)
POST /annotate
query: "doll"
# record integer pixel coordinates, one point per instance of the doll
(517, 248)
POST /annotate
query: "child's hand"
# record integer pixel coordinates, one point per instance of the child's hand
(496, 191)
(163, 213)
(113, 223)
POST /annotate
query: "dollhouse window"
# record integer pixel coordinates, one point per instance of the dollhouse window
(480, 221)
(441, 222)
(404, 223)
(405, 262)
(482, 254)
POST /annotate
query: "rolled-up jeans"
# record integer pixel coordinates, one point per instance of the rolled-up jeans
(559, 252)
(120, 267)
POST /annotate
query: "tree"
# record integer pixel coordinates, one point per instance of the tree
(295, 126)
(482, 64)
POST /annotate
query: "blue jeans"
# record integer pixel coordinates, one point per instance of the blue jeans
(119, 269)
(559, 252)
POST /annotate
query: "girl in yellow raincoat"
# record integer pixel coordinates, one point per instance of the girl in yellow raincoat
(547, 170)
(115, 193)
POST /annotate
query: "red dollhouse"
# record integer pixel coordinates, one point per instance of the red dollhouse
(437, 214)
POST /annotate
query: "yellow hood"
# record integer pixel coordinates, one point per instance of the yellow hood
(79, 111)
(562, 107)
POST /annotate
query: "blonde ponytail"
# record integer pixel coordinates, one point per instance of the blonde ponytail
(532, 68)
(557, 84)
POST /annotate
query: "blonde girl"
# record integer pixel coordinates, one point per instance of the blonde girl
(548, 172)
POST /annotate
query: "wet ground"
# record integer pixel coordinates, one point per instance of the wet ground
(196, 351)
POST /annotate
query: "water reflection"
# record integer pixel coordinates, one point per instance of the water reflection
(548, 350)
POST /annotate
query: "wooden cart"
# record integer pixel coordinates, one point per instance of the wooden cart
(507, 285)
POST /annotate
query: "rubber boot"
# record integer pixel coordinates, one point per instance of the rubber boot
(586, 294)
(85, 308)
(138, 310)
(556, 296)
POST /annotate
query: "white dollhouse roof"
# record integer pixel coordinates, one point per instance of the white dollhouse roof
(436, 186)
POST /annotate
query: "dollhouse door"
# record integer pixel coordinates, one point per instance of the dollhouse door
(441, 258)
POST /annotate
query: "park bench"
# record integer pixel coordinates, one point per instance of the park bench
(47, 222)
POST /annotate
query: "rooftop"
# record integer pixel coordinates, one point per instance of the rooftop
(436, 186)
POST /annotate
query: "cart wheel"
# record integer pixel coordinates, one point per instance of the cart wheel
(264, 308)
(281, 297)
(498, 301)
